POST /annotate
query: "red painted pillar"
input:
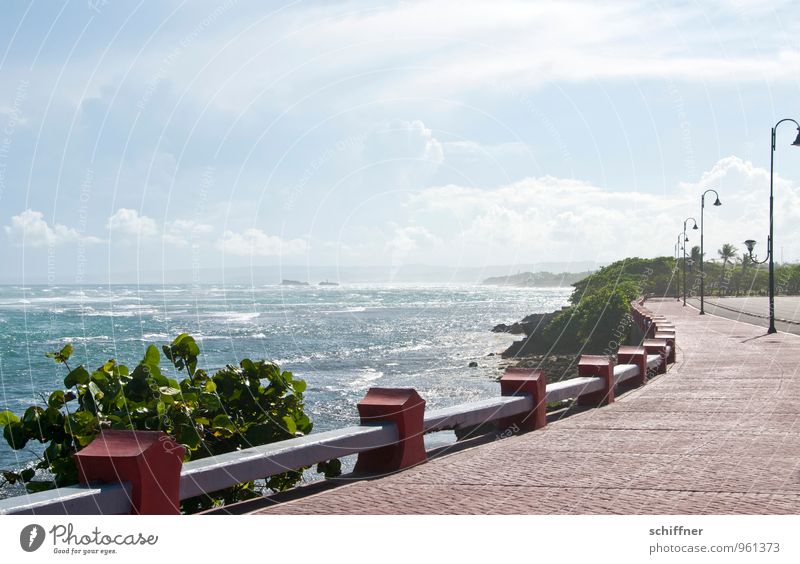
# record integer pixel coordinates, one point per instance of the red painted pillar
(404, 408)
(602, 367)
(659, 347)
(634, 355)
(669, 336)
(526, 382)
(636, 313)
(650, 326)
(662, 326)
(150, 460)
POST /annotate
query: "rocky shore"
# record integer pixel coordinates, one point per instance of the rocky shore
(528, 352)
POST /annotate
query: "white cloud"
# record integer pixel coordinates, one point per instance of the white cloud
(181, 232)
(744, 192)
(254, 242)
(127, 221)
(401, 153)
(401, 139)
(549, 218)
(510, 43)
(407, 239)
(29, 228)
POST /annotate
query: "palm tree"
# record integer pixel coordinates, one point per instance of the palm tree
(727, 253)
(695, 258)
(746, 261)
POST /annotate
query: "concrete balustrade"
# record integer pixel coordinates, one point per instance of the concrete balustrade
(141, 472)
(657, 347)
(150, 461)
(525, 382)
(406, 410)
(601, 367)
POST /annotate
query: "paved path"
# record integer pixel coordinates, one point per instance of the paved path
(787, 310)
(719, 433)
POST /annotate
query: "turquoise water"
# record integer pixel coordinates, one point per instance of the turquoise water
(341, 340)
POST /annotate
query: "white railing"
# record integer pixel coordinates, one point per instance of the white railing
(218, 472)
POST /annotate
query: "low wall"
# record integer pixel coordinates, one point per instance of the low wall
(142, 472)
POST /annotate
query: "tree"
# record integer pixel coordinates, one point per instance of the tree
(695, 258)
(728, 254)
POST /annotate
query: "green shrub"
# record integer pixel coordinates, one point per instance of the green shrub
(237, 407)
(597, 320)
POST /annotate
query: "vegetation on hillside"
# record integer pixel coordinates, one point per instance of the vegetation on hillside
(537, 279)
(597, 320)
(734, 274)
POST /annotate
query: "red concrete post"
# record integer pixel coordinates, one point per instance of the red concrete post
(526, 382)
(406, 409)
(659, 347)
(149, 460)
(669, 336)
(602, 367)
(638, 317)
(634, 355)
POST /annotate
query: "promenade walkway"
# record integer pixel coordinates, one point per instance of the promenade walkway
(719, 433)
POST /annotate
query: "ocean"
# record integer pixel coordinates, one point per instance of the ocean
(340, 339)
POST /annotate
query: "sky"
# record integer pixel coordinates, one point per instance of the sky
(162, 135)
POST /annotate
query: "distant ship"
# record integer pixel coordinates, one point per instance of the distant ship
(326, 283)
(293, 283)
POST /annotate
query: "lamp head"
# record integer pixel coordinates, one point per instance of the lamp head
(717, 202)
(695, 226)
(797, 141)
(750, 244)
(686, 240)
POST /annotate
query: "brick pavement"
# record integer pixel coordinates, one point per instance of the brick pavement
(718, 434)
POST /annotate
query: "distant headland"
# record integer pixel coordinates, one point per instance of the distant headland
(537, 279)
(286, 282)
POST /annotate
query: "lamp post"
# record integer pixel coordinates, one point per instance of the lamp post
(770, 239)
(686, 240)
(677, 256)
(702, 256)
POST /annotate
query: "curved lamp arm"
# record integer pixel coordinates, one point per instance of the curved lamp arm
(703, 198)
(750, 244)
(774, 129)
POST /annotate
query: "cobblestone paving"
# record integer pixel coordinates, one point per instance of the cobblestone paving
(718, 434)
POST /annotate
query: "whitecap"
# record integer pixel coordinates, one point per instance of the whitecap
(364, 378)
(235, 316)
(348, 310)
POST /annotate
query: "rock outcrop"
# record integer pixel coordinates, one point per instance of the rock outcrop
(531, 326)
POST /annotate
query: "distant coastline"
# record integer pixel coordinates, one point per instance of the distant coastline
(537, 279)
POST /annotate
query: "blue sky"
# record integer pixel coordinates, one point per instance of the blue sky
(233, 133)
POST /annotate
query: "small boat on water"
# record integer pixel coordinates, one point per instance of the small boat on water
(326, 283)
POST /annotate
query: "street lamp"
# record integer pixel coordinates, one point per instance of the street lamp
(751, 244)
(770, 240)
(702, 272)
(677, 256)
(686, 240)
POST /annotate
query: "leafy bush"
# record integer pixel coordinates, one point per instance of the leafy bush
(656, 276)
(237, 407)
(597, 319)
(594, 323)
